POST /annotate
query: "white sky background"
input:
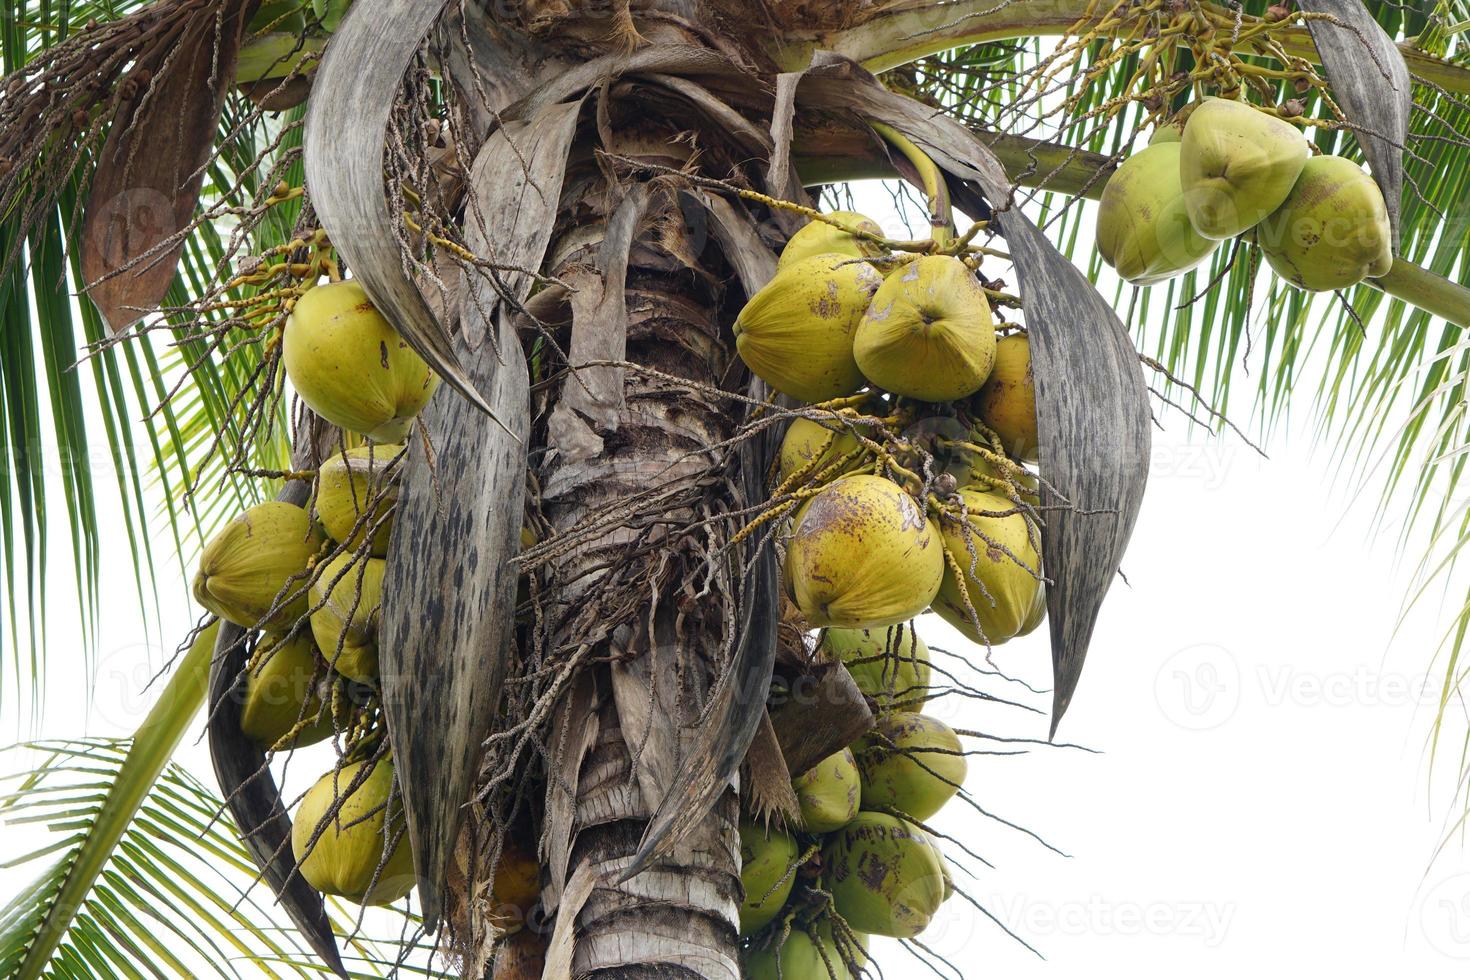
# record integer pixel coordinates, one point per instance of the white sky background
(1261, 799)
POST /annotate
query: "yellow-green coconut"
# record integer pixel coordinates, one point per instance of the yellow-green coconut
(341, 854)
(1332, 231)
(251, 572)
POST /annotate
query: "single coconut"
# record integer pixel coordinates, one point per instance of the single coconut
(928, 333)
(828, 793)
(351, 367)
(355, 494)
(1332, 231)
(256, 561)
(796, 332)
(1143, 229)
(821, 238)
(1236, 165)
(346, 597)
(863, 555)
(884, 875)
(890, 665)
(282, 692)
(910, 763)
(354, 837)
(1007, 403)
(767, 874)
(1000, 563)
(800, 956)
(809, 447)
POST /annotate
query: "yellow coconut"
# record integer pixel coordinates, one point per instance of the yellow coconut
(863, 555)
(999, 560)
(884, 876)
(341, 848)
(910, 763)
(767, 873)
(355, 494)
(284, 692)
(796, 332)
(1236, 165)
(346, 597)
(1007, 403)
(807, 441)
(1143, 229)
(928, 333)
(828, 793)
(351, 367)
(890, 665)
(820, 238)
(251, 563)
(1332, 231)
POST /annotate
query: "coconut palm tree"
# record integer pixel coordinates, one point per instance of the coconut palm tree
(562, 207)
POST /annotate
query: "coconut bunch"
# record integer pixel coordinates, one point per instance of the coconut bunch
(858, 861)
(1233, 170)
(902, 478)
(307, 583)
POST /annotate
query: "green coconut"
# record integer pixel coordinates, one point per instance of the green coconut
(766, 874)
(1007, 402)
(351, 367)
(928, 333)
(828, 793)
(346, 597)
(910, 763)
(807, 441)
(884, 876)
(890, 665)
(796, 332)
(863, 555)
(1000, 564)
(253, 561)
(350, 846)
(1143, 228)
(358, 482)
(801, 956)
(1236, 165)
(283, 692)
(1332, 231)
(820, 238)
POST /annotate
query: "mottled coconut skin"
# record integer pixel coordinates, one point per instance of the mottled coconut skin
(910, 763)
(796, 332)
(829, 793)
(1000, 573)
(890, 669)
(884, 876)
(1332, 231)
(1143, 227)
(765, 860)
(863, 555)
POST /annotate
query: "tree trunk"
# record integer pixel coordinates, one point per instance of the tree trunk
(623, 466)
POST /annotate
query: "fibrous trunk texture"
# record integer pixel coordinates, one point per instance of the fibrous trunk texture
(623, 465)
